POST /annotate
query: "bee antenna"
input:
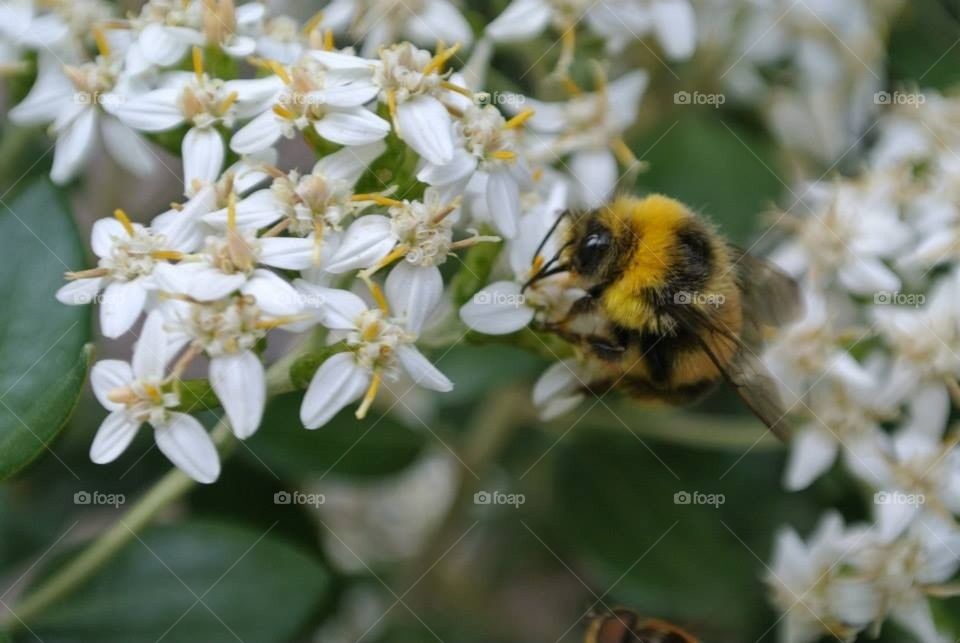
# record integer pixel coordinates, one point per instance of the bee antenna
(553, 228)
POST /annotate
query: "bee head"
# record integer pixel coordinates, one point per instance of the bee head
(598, 243)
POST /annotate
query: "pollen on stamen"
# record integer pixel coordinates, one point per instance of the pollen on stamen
(198, 62)
(122, 217)
(519, 119)
(369, 396)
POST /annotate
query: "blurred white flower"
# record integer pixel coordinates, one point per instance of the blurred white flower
(138, 392)
(377, 23)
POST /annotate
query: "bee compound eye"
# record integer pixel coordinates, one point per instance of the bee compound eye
(592, 249)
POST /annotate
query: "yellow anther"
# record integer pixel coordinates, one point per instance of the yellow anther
(313, 22)
(228, 102)
(279, 70)
(328, 43)
(198, 62)
(122, 217)
(519, 119)
(392, 104)
(379, 199)
(369, 396)
(99, 37)
(504, 155)
(439, 61)
(446, 84)
(537, 174)
(283, 112)
(572, 87)
(167, 255)
(623, 152)
(232, 211)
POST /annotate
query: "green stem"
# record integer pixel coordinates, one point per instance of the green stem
(165, 491)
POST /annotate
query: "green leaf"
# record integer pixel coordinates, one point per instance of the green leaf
(346, 446)
(41, 340)
(252, 585)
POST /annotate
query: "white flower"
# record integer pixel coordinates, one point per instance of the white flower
(128, 257)
(588, 129)
(906, 570)
(383, 22)
(227, 330)
(504, 307)
(811, 585)
(21, 29)
(487, 153)
(74, 98)
(377, 345)
(325, 91)
(139, 392)
(851, 229)
(413, 86)
(205, 104)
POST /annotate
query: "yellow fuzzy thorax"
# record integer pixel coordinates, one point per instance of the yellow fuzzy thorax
(652, 223)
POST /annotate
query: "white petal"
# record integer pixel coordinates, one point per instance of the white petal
(184, 228)
(915, 617)
(422, 372)
(340, 307)
(258, 210)
(122, 304)
(345, 95)
(197, 279)
(290, 253)
(187, 445)
(74, 144)
(675, 25)
(240, 385)
(259, 134)
(155, 111)
(107, 375)
(338, 60)
(79, 292)
(368, 240)
(47, 96)
(498, 309)
(439, 21)
(867, 275)
(595, 172)
(165, 46)
(113, 437)
(203, 153)
(350, 163)
(413, 293)
(559, 380)
(150, 351)
(274, 295)
(425, 125)
(127, 147)
(458, 169)
(338, 382)
(356, 127)
(522, 20)
(240, 46)
(503, 200)
(812, 452)
(103, 235)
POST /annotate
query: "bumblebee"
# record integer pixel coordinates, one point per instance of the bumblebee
(671, 309)
(625, 626)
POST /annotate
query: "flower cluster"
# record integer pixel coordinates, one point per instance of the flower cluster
(414, 164)
(871, 370)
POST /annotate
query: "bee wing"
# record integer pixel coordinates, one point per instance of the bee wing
(745, 373)
(770, 296)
